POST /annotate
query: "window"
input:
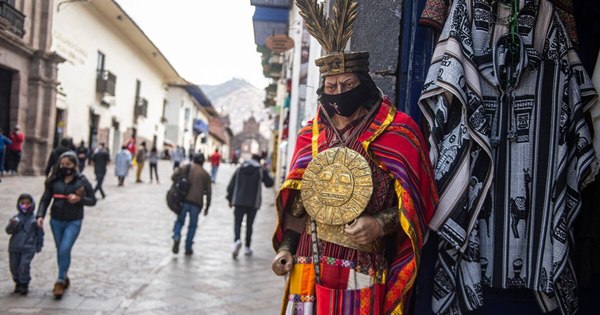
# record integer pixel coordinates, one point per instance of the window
(100, 62)
(187, 116)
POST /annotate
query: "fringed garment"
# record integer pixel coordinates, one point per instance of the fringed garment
(511, 150)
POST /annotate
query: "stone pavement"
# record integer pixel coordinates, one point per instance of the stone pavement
(122, 262)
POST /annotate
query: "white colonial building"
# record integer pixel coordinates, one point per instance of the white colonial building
(115, 81)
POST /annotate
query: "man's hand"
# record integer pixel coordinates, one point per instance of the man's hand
(283, 263)
(364, 229)
(205, 211)
(40, 222)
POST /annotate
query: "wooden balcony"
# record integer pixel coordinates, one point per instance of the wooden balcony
(106, 82)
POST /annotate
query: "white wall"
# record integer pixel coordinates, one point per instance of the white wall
(79, 32)
(178, 100)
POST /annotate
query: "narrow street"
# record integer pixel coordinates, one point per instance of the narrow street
(122, 262)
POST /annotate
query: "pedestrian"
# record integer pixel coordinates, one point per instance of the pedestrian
(177, 157)
(354, 208)
(13, 155)
(68, 191)
(215, 160)
(65, 145)
(140, 157)
(122, 164)
(26, 239)
(244, 193)
(131, 147)
(234, 158)
(153, 162)
(192, 202)
(100, 159)
(82, 155)
(4, 142)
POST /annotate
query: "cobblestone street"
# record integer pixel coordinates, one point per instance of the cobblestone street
(122, 262)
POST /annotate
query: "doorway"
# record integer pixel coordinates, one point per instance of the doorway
(94, 122)
(5, 89)
(59, 129)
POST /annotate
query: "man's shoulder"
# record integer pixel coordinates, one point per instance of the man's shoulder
(199, 170)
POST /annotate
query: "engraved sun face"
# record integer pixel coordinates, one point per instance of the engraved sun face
(336, 186)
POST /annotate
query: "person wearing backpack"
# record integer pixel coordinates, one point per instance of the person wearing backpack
(244, 195)
(200, 185)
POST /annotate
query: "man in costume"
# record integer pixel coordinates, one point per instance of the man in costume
(366, 241)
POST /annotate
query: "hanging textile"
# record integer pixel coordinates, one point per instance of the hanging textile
(436, 12)
(511, 151)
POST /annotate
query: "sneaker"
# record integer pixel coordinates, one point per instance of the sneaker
(175, 248)
(24, 289)
(247, 251)
(236, 248)
(59, 290)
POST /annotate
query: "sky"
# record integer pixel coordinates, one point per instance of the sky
(206, 41)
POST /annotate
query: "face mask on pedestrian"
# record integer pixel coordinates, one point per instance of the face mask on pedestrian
(24, 207)
(67, 171)
(345, 104)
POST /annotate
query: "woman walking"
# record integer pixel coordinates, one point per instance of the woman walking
(153, 161)
(69, 191)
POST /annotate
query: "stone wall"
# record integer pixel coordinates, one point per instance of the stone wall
(377, 30)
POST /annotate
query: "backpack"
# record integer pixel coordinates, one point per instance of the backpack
(181, 186)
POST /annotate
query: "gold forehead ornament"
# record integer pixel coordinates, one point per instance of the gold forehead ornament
(336, 186)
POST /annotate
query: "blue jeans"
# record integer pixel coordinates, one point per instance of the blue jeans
(65, 234)
(2, 160)
(213, 173)
(194, 213)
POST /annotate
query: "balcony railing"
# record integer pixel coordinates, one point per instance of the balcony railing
(141, 108)
(15, 19)
(106, 82)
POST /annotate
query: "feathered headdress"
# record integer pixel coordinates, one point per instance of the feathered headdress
(333, 35)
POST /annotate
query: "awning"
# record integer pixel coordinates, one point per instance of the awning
(200, 126)
(269, 21)
(271, 3)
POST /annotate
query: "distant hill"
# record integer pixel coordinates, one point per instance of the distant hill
(239, 100)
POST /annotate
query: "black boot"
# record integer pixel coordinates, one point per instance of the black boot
(24, 288)
(17, 288)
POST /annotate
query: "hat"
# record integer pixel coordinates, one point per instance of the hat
(333, 35)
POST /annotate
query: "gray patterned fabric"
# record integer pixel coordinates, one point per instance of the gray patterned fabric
(511, 150)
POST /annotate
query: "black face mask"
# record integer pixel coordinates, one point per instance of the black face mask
(67, 171)
(347, 103)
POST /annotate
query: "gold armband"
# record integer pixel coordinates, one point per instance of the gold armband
(388, 219)
(296, 209)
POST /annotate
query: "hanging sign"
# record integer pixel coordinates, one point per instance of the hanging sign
(279, 43)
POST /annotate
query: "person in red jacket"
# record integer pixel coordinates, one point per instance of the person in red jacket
(215, 160)
(13, 155)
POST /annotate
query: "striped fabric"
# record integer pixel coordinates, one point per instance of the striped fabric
(342, 291)
(511, 150)
(394, 143)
